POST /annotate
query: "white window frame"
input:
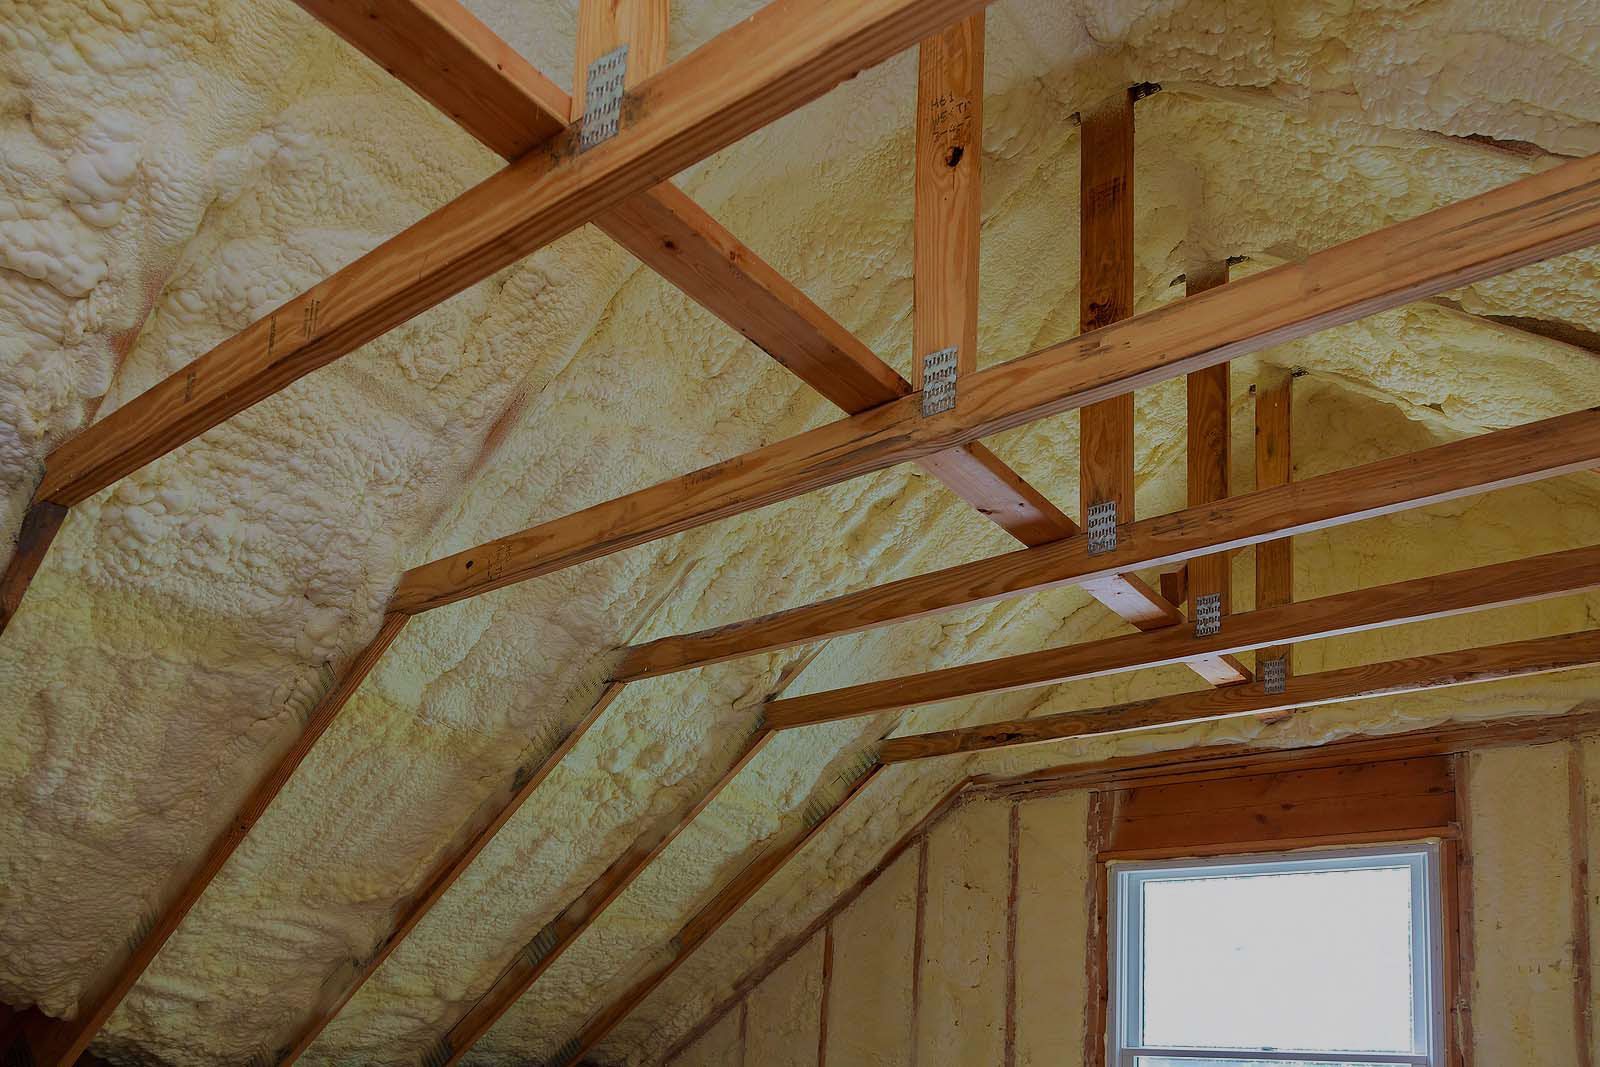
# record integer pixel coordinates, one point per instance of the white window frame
(1127, 879)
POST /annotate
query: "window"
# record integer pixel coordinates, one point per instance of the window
(1331, 959)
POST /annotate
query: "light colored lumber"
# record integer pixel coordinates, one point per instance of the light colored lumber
(1534, 218)
(1553, 447)
(1420, 599)
(1274, 466)
(784, 56)
(451, 59)
(949, 195)
(59, 1043)
(1105, 296)
(1516, 659)
(1209, 437)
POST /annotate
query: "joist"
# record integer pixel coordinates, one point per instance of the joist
(1209, 437)
(1534, 218)
(1274, 466)
(1516, 659)
(1420, 599)
(784, 56)
(62, 1042)
(1562, 445)
(704, 923)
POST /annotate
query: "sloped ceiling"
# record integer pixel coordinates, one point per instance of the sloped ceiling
(170, 170)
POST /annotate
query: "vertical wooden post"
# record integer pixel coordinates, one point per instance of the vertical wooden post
(1105, 447)
(1274, 559)
(1210, 431)
(949, 195)
(605, 24)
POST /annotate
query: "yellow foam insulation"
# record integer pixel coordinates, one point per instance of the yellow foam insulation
(170, 170)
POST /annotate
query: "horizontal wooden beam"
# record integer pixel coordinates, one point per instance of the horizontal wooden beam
(1516, 659)
(1497, 585)
(59, 1043)
(786, 55)
(1532, 219)
(1562, 445)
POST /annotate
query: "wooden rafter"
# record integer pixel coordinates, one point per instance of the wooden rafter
(1517, 659)
(1420, 599)
(784, 56)
(1531, 219)
(1553, 447)
(62, 1042)
(1208, 461)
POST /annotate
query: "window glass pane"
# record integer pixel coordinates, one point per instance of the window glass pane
(1168, 1061)
(1311, 961)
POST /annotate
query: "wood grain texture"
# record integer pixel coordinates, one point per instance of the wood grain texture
(1105, 295)
(40, 524)
(1209, 439)
(1512, 660)
(1439, 596)
(1550, 448)
(1356, 801)
(787, 54)
(1274, 466)
(443, 53)
(703, 924)
(1532, 219)
(491, 815)
(603, 25)
(949, 195)
(62, 1042)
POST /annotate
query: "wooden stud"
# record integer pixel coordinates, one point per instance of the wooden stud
(62, 1042)
(1516, 659)
(1013, 892)
(1466, 937)
(1551, 448)
(827, 994)
(1582, 961)
(1274, 467)
(1480, 588)
(1097, 1006)
(1210, 438)
(1539, 216)
(1105, 287)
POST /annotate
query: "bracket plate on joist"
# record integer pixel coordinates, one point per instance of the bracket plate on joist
(602, 98)
(1274, 675)
(1102, 527)
(1208, 615)
(938, 381)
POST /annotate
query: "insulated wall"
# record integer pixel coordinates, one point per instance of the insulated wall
(973, 947)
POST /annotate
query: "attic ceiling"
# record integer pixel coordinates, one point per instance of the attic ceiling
(174, 169)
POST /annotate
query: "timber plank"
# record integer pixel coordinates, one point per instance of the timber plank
(1532, 219)
(1439, 596)
(1274, 465)
(1562, 445)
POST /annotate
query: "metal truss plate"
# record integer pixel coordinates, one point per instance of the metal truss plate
(1102, 527)
(1274, 675)
(602, 98)
(1208, 615)
(938, 381)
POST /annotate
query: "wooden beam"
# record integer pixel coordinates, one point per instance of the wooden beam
(1274, 466)
(491, 815)
(1517, 659)
(448, 57)
(704, 923)
(1105, 296)
(62, 1042)
(1517, 582)
(784, 56)
(1209, 439)
(1562, 445)
(1537, 217)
